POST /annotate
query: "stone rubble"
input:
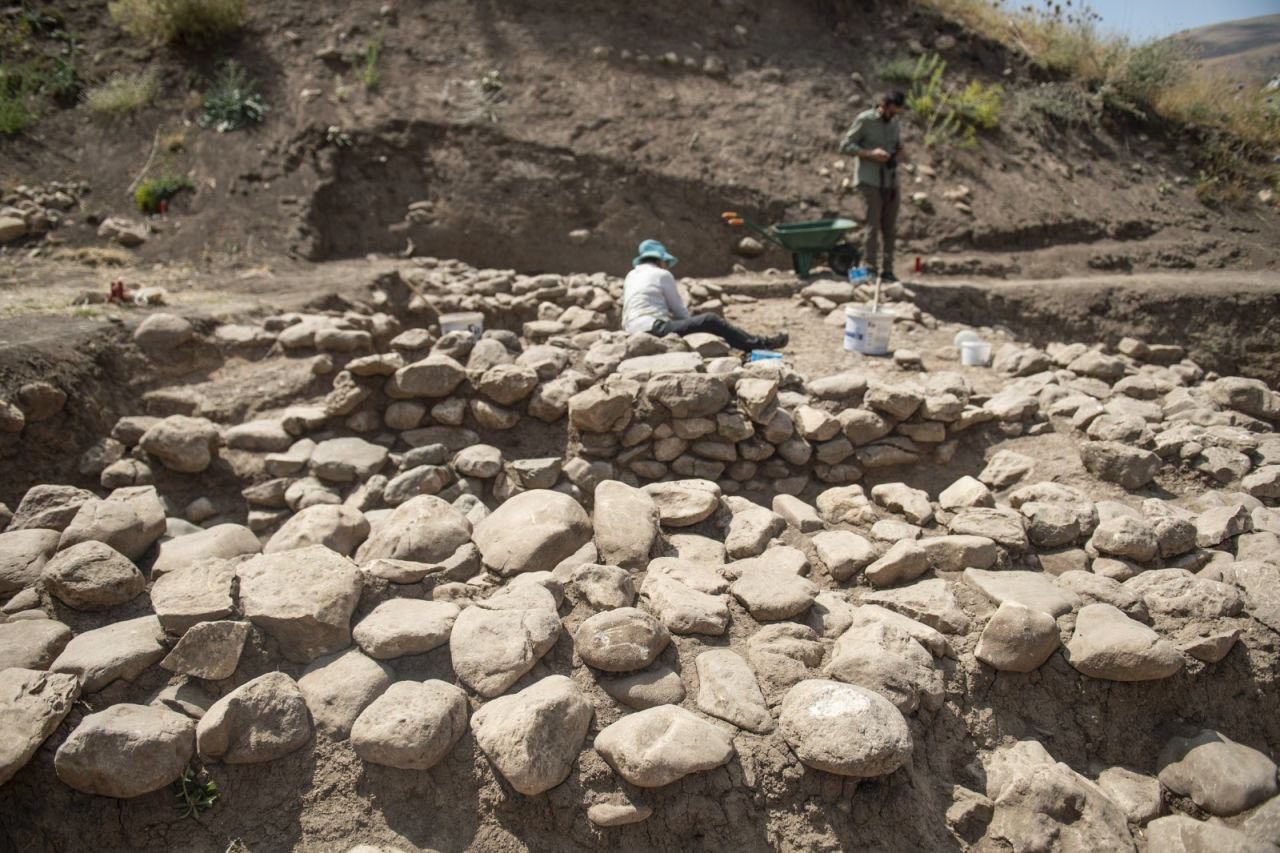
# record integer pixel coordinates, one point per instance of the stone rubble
(726, 559)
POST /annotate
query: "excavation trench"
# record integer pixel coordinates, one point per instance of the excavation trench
(488, 199)
(1227, 323)
(760, 799)
(1231, 330)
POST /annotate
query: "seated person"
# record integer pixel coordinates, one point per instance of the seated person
(651, 303)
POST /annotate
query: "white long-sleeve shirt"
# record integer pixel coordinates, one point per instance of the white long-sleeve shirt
(649, 294)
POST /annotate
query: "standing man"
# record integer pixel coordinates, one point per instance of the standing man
(873, 138)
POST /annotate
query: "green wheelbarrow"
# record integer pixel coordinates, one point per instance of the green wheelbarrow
(808, 241)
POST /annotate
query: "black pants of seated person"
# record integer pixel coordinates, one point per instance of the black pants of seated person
(712, 324)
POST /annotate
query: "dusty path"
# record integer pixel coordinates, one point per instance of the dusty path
(1086, 307)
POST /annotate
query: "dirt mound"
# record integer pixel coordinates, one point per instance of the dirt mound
(622, 126)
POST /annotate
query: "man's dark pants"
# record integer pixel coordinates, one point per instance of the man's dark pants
(882, 222)
(712, 324)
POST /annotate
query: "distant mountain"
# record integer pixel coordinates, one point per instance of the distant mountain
(1247, 50)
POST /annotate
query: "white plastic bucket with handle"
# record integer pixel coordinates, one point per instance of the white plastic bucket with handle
(975, 353)
(463, 321)
(867, 331)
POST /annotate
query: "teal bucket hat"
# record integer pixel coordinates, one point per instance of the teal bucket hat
(653, 249)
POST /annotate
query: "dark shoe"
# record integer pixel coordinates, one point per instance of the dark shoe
(777, 341)
(888, 278)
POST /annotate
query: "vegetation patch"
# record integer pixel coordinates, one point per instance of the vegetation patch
(366, 63)
(154, 194)
(1239, 126)
(952, 114)
(122, 94)
(193, 22)
(37, 67)
(1056, 105)
(19, 101)
(197, 793)
(898, 69)
(232, 102)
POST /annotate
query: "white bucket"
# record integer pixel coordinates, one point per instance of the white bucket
(975, 353)
(463, 321)
(867, 331)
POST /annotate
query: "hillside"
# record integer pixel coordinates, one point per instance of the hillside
(612, 124)
(355, 521)
(1246, 51)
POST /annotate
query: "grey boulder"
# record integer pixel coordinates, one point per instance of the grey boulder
(262, 720)
(130, 520)
(844, 729)
(660, 745)
(620, 640)
(23, 554)
(534, 736)
(126, 751)
(424, 529)
(32, 705)
(1218, 774)
(338, 687)
(304, 599)
(412, 725)
(92, 576)
(532, 532)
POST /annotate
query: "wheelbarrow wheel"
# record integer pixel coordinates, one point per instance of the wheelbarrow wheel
(843, 258)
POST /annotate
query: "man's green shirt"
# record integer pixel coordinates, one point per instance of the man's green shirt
(870, 131)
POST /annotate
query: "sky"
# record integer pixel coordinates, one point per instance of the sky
(1147, 19)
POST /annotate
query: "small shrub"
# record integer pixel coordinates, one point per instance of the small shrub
(899, 69)
(156, 190)
(195, 795)
(1066, 104)
(194, 22)
(951, 115)
(59, 80)
(231, 102)
(19, 101)
(491, 83)
(1149, 69)
(122, 94)
(367, 61)
(337, 137)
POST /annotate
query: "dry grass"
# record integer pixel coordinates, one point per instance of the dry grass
(122, 94)
(195, 22)
(93, 256)
(1204, 99)
(1151, 78)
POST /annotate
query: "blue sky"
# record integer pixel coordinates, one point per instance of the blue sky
(1144, 19)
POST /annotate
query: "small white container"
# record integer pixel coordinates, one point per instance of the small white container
(975, 353)
(463, 321)
(867, 331)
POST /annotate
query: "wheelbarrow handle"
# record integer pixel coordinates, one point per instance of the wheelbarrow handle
(736, 220)
(763, 232)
